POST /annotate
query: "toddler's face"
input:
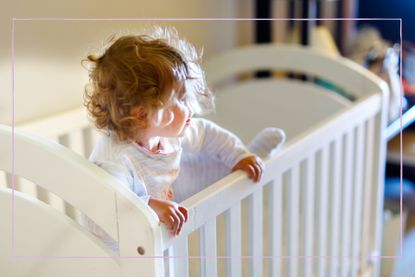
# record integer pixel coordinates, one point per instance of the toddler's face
(177, 116)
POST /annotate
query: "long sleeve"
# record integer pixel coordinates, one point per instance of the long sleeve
(207, 138)
(125, 173)
(115, 160)
(209, 153)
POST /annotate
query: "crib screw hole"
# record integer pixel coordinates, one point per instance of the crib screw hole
(141, 250)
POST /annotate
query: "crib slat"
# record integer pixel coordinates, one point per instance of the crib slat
(74, 141)
(357, 203)
(27, 187)
(3, 180)
(180, 260)
(233, 240)
(47, 197)
(13, 181)
(292, 219)
(22, 185)
(322, 210)
(9, 181)
(367, 194)
(34, 154)
(58, 124)
(90, 137)
(208, 264)
(42, 195)
(255, 233)
(275, 206)
(308, 216)
(51, 199)
(335, 208)
(168, 262)
(347, 204)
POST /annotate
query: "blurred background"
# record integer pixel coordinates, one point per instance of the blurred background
(49, 77)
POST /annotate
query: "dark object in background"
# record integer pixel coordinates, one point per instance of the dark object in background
(263, 28)
(390, 9)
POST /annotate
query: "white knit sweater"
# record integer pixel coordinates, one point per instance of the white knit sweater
(153, 174)
(202, 156)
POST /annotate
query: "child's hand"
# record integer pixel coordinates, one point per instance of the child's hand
(170, 213)
(252, 165)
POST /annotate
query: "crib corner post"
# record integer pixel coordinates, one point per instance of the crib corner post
(140, 240)
(380, 156)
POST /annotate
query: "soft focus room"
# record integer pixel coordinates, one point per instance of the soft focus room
(42, 77)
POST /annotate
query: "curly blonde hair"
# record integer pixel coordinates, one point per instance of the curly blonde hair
(142, 71)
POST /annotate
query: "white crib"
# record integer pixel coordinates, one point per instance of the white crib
(316, 212)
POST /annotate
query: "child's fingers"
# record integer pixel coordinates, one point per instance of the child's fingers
(260, 167)
(185, 212)
(168, 221)
(181, 222)
(257, 173)
(176, 222)
(250, 170)
(253, 166)
(260, 171)
(236, 167)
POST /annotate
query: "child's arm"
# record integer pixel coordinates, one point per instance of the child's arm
(209, 139)
(170, 213)
(124, 172)
(121, 167)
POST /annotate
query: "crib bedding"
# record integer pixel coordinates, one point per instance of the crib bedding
(327, 175)
(304, 104)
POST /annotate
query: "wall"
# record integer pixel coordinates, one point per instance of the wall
(48, 74)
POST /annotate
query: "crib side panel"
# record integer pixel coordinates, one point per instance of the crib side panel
(342, 72)
(233, 240)
(38, 241)
(95, 193)
(308, 207)
(316, 193)
(3, 180)
(61, 172)
(378, 172)
(70, 129)
(336, 205)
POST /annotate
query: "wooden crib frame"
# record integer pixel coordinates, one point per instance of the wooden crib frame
(308, 233)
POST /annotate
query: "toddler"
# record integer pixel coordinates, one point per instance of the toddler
(144, 91)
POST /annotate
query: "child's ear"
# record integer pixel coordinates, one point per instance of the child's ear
(141, 116)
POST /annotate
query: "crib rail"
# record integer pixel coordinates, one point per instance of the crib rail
(340, 71)
(305, 237)
(75, 180)
(70, 129)
(316, 211)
